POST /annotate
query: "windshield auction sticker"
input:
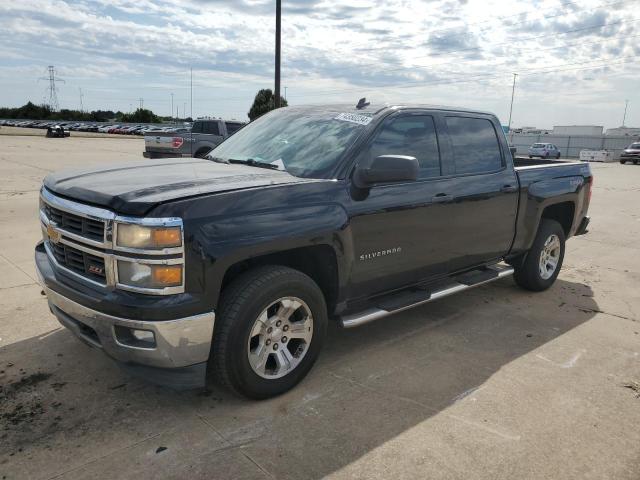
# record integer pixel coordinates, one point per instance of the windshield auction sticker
(354, 118)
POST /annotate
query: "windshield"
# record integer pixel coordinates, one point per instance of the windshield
(304, 143)
(634, 146)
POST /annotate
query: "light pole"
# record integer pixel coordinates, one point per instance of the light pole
(278, 28)
(513, 91)
(172, 104)
(624, 118)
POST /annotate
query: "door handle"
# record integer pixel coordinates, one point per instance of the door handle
(442, 198)
(508, 188)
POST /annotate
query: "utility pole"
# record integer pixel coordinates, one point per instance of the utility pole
(53, 93)
(172, 105)
(278, 29)
(184, 110)
(81, 104)
(624, 118)
(513, 91)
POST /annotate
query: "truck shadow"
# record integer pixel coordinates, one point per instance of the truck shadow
(66, 408)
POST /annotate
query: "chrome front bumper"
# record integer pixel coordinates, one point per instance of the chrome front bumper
(179, 343)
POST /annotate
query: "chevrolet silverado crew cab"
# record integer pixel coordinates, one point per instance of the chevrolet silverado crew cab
(230, 267)
(203, 136)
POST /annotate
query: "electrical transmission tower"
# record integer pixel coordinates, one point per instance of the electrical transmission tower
(53, 93)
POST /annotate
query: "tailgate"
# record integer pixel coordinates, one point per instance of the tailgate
(163, 142)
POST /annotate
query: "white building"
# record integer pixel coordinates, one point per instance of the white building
(624, 131)
(578, 130)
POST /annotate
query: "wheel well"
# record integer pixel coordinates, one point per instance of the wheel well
(561, 213)
(202, 151)
(318, 262)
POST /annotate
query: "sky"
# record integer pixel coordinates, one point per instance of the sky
(577, 61)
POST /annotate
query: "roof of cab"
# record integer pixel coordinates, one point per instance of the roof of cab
(378, 108)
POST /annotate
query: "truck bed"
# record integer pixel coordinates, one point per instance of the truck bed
(528, 162)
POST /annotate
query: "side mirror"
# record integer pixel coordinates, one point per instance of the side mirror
(387, 169)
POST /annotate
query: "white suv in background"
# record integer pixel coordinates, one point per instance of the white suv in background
(544, 150)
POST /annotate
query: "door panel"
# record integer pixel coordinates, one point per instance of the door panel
(396, 229)
(485, 188)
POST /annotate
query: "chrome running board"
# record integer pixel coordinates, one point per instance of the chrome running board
(458, 284)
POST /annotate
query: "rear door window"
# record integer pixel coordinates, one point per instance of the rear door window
(233, 127)
(211, 128)
(476, 148)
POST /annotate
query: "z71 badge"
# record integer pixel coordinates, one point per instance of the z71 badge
(381, 253)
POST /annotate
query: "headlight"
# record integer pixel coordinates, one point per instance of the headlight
(144, 275)
(152, 238)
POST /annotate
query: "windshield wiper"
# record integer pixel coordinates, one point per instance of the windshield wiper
(218, 159)
(254, 163)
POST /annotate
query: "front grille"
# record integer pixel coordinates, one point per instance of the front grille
(80, 262)
(85, 227)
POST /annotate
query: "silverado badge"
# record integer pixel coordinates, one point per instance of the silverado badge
(53, 234)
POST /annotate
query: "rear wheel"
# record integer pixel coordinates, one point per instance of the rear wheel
(623, 161)
(635, 162)
(544, 260)
(269, 331)
(558, 156)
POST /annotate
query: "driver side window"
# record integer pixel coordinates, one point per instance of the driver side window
(412, 135)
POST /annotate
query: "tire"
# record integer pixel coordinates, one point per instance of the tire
(546, 156)
(251, 295)
(529, 274)
(622, 162)
(558, 156)
(202, 153)
(530, 156)
(635, 162)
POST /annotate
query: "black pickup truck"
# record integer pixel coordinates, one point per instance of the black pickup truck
(230, 267)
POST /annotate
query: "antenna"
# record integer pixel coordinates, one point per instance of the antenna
(362, 103)
(53, 93)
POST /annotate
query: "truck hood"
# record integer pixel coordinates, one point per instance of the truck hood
(135, 188)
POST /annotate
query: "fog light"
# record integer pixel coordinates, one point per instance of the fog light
(132, 337)
(144, 335)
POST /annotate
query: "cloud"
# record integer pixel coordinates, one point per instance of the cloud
(118, 51)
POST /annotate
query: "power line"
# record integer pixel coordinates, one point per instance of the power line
(510, 43)
(472, 78)
(506, 17)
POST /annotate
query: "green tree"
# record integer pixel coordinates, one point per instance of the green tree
(263, 103)
(141, 115)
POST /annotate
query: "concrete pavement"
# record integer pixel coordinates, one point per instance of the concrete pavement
(493, 383)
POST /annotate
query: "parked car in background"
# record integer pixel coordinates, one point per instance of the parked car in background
(544, 150)
(57, 131)
(197, 142)
(631, 154)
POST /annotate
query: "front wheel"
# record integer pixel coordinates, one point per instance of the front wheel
(544, 260)
(271, 326)
(622, 161)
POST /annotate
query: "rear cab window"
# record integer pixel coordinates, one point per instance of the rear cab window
(210, 128)
(233, 127)
(475, 144)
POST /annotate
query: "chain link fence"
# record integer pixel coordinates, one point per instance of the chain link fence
(571, 145)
